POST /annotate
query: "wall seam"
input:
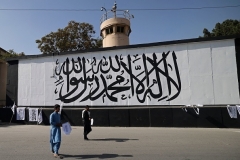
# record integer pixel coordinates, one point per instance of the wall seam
(189, 78)
(212, 74)
(237, 53)
(30, 84)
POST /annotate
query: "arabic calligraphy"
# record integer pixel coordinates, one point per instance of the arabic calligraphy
(118, 78)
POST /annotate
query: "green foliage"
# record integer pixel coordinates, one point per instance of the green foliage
(10, 54)
(75, 36)
(226, 28)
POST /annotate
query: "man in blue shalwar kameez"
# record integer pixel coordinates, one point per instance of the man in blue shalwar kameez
(55, 131)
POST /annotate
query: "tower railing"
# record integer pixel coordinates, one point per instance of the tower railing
(120, 14)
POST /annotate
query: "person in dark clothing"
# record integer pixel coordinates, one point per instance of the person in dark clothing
(86, 122)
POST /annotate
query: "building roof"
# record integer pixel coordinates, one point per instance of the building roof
(2, 50)
(130, 46)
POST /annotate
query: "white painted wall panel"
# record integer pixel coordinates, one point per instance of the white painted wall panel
(199, 59)
(225, 72)
(224, 92)
(37, 84)
(200, 73)
(24, 77)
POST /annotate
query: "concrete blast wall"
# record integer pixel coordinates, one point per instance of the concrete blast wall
(141, 85)
(3, 83)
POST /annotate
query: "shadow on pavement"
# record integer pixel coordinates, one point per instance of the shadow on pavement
(114, 139)
(9, 125)
(100, 156)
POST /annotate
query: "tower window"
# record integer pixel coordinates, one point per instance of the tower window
(109, 30)
(120, 29)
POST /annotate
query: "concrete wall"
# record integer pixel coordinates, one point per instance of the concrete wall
(12, 83)
(177, 74)
(3, 83)
(32, 82)
(209, 117)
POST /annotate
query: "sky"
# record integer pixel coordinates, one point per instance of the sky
(19, 29)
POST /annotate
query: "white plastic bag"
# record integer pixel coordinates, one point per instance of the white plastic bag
(66, 128)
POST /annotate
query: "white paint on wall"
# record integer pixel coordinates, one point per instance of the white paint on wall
(207, 71)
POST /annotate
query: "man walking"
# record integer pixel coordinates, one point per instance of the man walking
(55, 131)
(86, 122)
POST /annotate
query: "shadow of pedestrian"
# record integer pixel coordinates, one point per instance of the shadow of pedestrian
(114, 139)
(99, 156)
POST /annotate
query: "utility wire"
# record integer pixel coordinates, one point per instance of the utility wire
(68, 10)
(190, 8)
(141, 9)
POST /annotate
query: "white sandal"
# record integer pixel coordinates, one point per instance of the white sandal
(57, 156)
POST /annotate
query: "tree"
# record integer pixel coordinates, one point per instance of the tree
(11, 54)
(226, 28)
(75, 36)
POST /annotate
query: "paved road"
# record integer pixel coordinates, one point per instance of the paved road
(29, 142)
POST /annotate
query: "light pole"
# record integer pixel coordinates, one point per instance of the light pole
(114, 9)
(105, 12)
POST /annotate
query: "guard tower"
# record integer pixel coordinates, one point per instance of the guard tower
(115, 27)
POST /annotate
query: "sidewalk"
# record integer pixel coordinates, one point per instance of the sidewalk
(31, 142)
